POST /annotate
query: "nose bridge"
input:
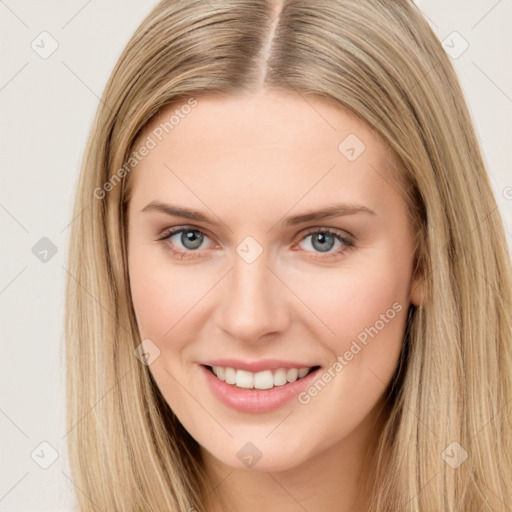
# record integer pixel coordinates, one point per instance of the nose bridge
(253, 304)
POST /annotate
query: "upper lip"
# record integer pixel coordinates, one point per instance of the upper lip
(256, 366)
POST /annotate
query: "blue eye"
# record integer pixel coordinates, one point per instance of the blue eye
(324, 241)
(191, 240)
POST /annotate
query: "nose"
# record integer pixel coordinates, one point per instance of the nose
(253, 302)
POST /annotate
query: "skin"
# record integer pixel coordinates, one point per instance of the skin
(247, 162)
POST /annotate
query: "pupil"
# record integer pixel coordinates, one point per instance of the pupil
(191, 239)
(323, 237)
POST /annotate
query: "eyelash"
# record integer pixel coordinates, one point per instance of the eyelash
(348, 242)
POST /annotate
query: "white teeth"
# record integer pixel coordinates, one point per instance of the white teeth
(265, 379)
(244, 379)
(302, 372)
(280, 377)
(230, 375)
(221, 372)
(292, 374)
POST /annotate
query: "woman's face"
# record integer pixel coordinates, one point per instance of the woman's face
(257, 278)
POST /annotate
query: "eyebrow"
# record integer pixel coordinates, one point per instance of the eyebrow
(335, 210)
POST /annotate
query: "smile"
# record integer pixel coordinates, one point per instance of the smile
(266, 379)
(259, 392)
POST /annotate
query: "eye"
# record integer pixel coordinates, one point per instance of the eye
(324, 240)
(184, 241)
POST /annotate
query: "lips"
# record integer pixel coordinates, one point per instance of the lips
(255, 400)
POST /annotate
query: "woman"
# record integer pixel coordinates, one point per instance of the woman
(289, 283)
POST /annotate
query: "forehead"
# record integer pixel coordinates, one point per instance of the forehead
(298, 122)
(274, 145)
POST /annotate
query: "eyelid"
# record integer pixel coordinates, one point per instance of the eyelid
(168, 232)
(335, 231)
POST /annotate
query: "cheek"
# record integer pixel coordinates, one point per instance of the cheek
(362, 309)
(162, 293)
(367, 312)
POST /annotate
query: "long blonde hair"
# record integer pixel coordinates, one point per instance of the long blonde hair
(381, 60)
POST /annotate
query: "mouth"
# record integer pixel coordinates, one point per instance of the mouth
(262, 380)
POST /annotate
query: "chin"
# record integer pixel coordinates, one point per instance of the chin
(260, 455)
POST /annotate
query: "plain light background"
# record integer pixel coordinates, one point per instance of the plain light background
(47, 107)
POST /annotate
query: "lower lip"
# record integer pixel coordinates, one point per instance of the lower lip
(256, 400)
